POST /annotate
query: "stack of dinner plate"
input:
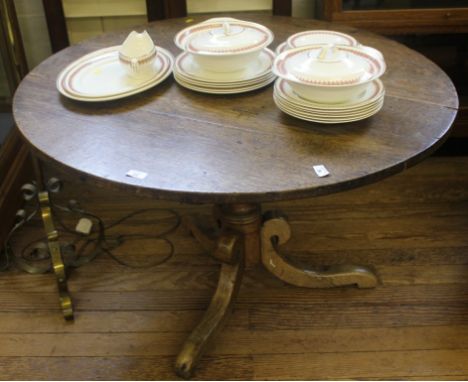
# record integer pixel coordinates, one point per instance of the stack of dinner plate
(328, 83)
(365, 105)
(224, 56)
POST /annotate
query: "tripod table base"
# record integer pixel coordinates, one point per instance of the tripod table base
(246, 239)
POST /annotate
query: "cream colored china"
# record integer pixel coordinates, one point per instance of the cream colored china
(372, 93)
(326, 114)
(235, 89)
(363, 107)
(220, 20)
(320, 37)
(311, 109)
(223, 85)
(316, 37)
(255, 77)
(99, 76)
(372, 52)
(281, 48)
(327, 120)
(328, 74)
(186, 66)
(331, 65)
(224, 46)
(137, 54)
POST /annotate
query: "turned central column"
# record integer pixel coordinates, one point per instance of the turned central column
(245, 219)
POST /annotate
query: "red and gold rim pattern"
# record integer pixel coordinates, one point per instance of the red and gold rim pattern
(375, 68)
(181, 38)
(66, 81)
(291, 41)
(185, 55)
(377, 92)
(141, 60)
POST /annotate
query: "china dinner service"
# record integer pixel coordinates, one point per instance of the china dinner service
(116, 72)
(137, 54)
(328, 77)
(367, 104)
(224, 56)
(322, 76)
(316, 37)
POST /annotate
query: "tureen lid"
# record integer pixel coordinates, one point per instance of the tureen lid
(315, 37)
(328, 65)
(228, 36)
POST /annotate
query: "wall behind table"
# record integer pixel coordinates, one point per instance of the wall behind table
(88, 18)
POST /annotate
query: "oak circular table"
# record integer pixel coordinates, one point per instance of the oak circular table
(237, 151)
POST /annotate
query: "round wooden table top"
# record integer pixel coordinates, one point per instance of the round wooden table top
(234, 148)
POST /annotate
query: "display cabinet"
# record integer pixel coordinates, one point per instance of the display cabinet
(399, 16)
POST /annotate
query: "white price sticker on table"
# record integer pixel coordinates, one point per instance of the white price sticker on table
(136, 174)
(321, 170)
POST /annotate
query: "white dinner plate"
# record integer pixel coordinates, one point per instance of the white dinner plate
(223, 85)
(326, 120)
(186, 66)
(281, 48)
(311, 109)
(329, 113)
(233, 90)
(374, 91)
(99, 76)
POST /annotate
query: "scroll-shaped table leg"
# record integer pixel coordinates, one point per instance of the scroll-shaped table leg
(276, 231)
(56, 255)
(220, 306)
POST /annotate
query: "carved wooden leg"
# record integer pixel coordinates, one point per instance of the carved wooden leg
(276, 231)
(229, 247)
(241, 218)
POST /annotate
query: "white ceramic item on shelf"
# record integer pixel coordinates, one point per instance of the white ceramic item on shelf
(320, 37)
(224, 46)
(99, 76)
(137, 54)
(328, 74)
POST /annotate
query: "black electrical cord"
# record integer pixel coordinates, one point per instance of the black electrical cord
(33, 255)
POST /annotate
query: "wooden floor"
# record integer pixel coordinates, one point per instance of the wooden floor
(130, 323)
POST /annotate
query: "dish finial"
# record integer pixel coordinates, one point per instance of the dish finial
(227, 28)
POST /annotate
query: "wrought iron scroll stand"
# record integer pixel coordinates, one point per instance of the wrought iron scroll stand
(30, 192)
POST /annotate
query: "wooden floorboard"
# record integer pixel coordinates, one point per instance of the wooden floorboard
(130, 322)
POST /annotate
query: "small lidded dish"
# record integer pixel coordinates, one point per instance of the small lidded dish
(138, 54)
(224, 45)
(320, 37)
(329, 73)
